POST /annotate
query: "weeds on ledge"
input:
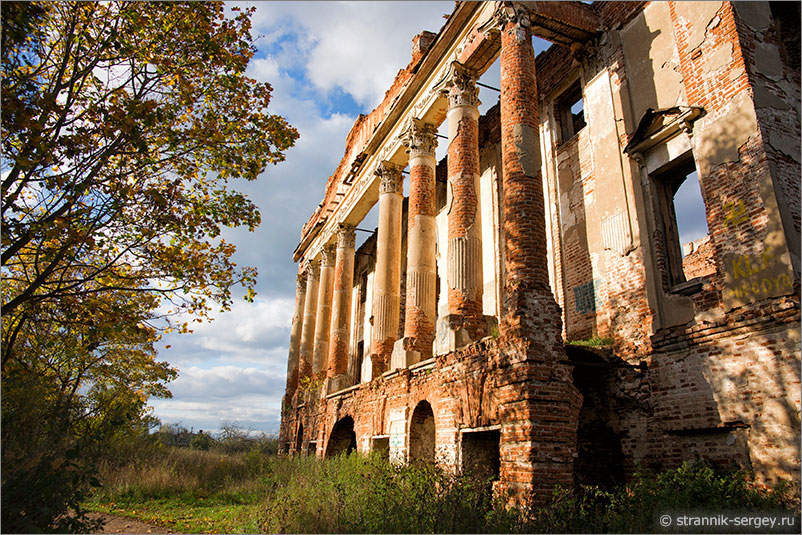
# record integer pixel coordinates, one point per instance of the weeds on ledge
(594, 341)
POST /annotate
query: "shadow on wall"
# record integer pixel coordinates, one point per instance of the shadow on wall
(582, 301)
(733, 402)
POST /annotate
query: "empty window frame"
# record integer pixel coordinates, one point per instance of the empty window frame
(481, 453)
(680, 213)
(570, 111)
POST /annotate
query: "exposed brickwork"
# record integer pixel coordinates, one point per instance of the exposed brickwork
(465, 293)
(418, 321)
(537, 450)
(339, 341)
(306, 351)
(777, 94)
(698, 260)
(523, 192)
(614, 15)
(709, 368)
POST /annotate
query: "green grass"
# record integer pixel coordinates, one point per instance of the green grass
(187, 490)
(591, 342)
(193, 491)
(186, 513)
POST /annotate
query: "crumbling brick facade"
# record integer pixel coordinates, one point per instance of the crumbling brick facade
(550, 329)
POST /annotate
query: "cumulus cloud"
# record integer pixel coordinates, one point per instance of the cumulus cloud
(357, 47)
(250, 333)
(205, 397)
(316, 56)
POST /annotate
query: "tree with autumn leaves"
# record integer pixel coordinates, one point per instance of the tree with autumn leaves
(123, 126)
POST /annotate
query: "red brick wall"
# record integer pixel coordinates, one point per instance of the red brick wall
(724, 386)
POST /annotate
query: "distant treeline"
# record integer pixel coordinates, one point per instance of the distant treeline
(230, 439)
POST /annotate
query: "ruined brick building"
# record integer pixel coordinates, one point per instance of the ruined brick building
(459, 332)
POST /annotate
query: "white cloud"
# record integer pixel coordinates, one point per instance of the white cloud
(250, 333)
(205, 397)
(357, 47)
(264, 69)
(234, 368)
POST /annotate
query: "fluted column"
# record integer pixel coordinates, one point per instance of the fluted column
(323, 319)
(341, 310)
(295, 334)
(308, 329)
(421, 284)
(464, 257)
(387, 282)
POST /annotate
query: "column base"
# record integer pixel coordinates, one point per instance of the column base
(403, 354)
(451, 335)
(337, 383)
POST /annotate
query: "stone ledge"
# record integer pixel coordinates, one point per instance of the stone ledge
(343, 391)
(423, 365)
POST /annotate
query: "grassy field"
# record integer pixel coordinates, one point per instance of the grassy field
(188, 490)
(194, 491)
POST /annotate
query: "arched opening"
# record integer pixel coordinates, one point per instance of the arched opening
(421, 433)
(342, 438)
(299, 439)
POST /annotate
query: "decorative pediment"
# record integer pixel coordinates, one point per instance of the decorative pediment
(658, 126)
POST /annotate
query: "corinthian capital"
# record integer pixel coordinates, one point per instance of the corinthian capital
(504, 13)
(300, 282)
(460, 87)
(390, 178)
(312, 269)
(420, 139)
(346, 239)
(328, 254)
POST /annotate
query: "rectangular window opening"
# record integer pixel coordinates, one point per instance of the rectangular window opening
(571, 111)
(683, 217)
(381, 445)
(481, 455)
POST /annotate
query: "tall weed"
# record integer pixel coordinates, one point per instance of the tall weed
(367, 494)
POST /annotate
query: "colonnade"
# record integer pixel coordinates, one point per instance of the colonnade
(320, 335)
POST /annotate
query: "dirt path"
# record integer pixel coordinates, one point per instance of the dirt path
(118, 524)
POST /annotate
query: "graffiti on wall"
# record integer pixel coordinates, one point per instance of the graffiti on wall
(734, 213)
(751, 277)
(586, 297)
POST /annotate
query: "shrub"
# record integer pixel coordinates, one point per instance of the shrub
(635, 508)
(201, 441)
(359, 494)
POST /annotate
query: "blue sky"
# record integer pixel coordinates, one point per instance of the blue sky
(327, 63)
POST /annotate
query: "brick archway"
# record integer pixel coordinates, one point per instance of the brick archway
(422, 433)
(342, 438)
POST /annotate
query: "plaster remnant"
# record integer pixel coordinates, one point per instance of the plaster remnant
(699, 15)
(720, 58)
(722, 137)
(786, 144)
(756, 15)
(526, 146)
(767, 99)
